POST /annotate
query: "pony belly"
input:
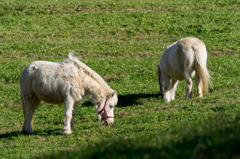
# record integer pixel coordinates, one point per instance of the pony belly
(50, 97)
(48, 92)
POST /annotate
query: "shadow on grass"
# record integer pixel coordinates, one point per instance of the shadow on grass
(130, 99)
(17, 133)
(11, 134)
(216, 137)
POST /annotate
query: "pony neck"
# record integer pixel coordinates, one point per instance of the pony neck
(94, 91)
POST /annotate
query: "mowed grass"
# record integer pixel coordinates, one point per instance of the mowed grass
(122, 41)
(114, 28)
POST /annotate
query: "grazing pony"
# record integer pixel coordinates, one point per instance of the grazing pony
(65, 82)
(180, 61)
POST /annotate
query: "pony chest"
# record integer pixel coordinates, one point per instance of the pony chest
(174, 74)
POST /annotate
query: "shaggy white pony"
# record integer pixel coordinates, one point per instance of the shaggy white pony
(180, 61)
(65, 82)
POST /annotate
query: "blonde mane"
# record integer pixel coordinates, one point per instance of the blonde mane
(88, 70)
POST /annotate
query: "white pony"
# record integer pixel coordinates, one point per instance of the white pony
(64, 82)
(180, 61)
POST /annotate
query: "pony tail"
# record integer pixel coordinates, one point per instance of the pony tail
(71, 57)
(70, 54)
(201, 69)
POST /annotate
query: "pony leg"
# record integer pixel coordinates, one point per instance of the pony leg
(68, 105)
(167, 88)
(30, 104)
(173, 88)
(199, 87)
(73, 114)
(189, 84)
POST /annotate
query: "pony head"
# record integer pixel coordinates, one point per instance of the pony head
(160, 80)
(105, 110)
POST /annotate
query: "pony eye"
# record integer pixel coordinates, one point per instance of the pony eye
(111, 106)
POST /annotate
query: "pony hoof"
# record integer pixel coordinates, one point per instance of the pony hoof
(66, 132)
(166, 101)
(27, 131)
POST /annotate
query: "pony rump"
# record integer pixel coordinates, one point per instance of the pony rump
(202, 73)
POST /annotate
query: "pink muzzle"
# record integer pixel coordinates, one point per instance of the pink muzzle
(105, 112)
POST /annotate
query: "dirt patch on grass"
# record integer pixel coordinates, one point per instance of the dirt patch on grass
(83, 121)
(217, 101)
(164, 108)
(110, 78)
(18, 127)
(12, 105)
(41, 138)
(230, 52)
(145, 54)
(119, 115)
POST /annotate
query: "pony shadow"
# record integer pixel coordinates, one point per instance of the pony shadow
(129, 99)
(133, 99)
(54, 132)
(11, 134)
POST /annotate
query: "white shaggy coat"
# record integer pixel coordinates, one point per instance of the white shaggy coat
(180, 61)
(64, 82)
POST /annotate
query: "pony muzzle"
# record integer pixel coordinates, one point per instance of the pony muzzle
(107, 121)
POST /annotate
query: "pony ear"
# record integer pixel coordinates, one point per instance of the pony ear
(110, 95)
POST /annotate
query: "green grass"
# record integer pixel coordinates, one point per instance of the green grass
(122, 41)
(114, 28)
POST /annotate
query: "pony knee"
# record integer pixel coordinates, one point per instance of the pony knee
(68, 117)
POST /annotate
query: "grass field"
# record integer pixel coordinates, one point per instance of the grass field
(122, 41)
